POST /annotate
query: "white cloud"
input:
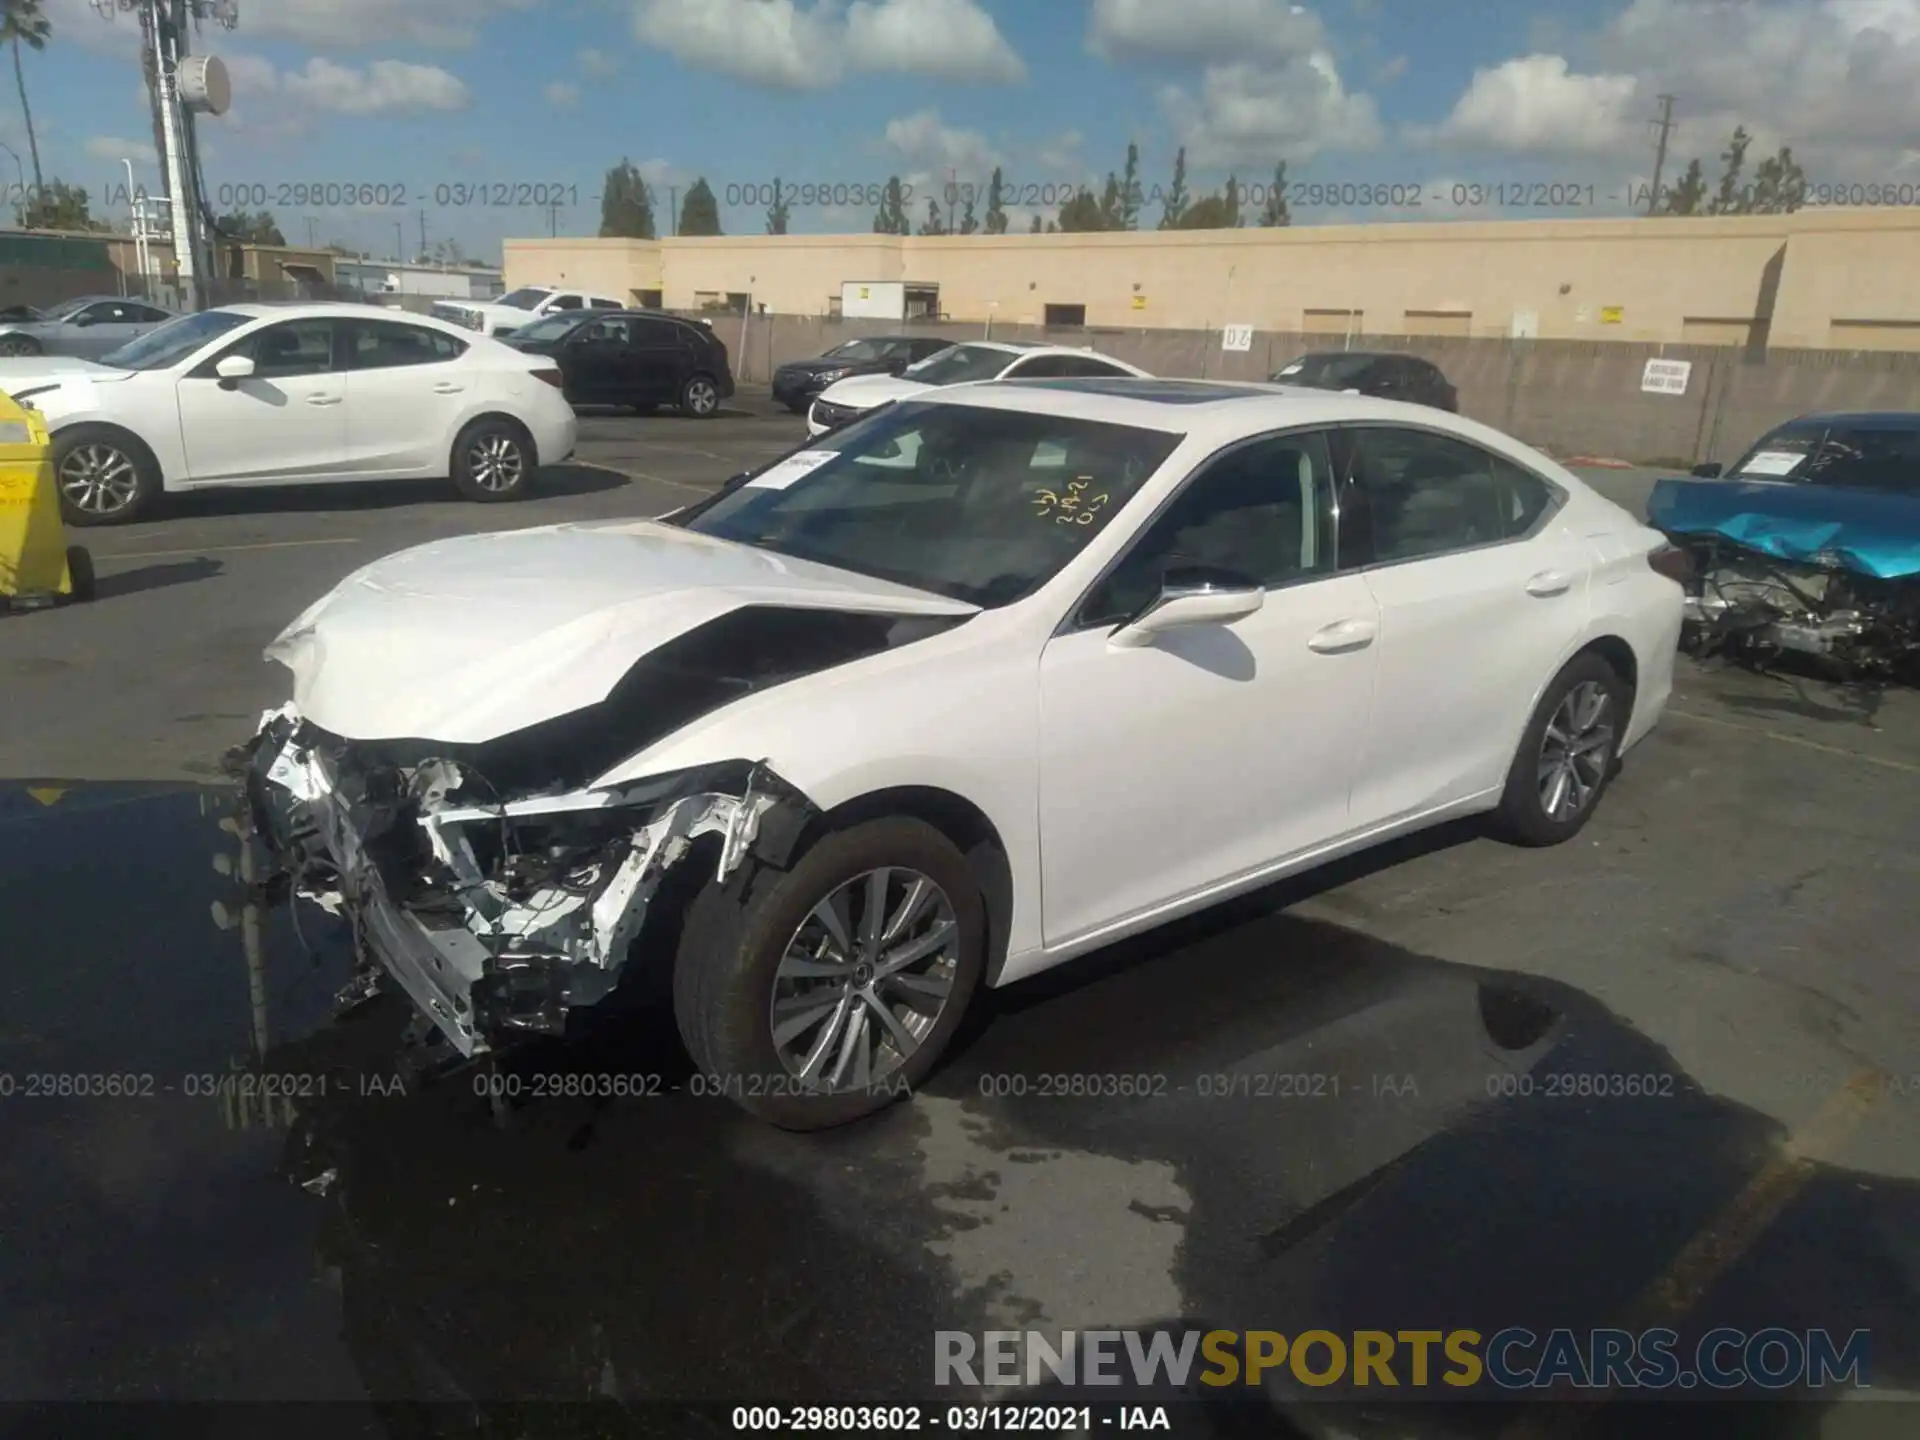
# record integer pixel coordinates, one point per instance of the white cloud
(791, 45)
(384, 87)
(1391, 70)
(562, 94)
(1062, 154)
(356, 24)
(1215, 30)
(116, 148)
(1254, 114)
(1536, 106)
(597, 64)
(922, 139)
(663, 173)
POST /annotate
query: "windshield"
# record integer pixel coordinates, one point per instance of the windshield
(960, 364)
(1857, 458)
(979, 505)
(175, 340)
(66, 308)
(526, 298)
(547, 327)
(856, 352)
(1325, 370)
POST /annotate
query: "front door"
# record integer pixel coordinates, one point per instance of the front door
(109, 324)
(1215, 751)
(659, 355)
(600, 364)
(286, 421)
(1480, 598)
(406, 392)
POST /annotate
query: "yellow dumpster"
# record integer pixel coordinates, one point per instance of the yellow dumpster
(37, 566)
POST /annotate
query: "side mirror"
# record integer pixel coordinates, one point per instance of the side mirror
(1188, 598)
(896, 367)
(81, 321)
(232, 369)
(1710, 471)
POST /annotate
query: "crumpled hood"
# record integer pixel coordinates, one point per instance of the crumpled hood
(469, 639)
(863, 392)
(1871, 531)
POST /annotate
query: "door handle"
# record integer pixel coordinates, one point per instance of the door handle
(447, 387)
(1343, 635)
(1550, 582)
(323, 399)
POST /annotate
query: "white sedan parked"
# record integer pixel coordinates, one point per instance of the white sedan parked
(964, 364)
(985, 681)
(293, 394)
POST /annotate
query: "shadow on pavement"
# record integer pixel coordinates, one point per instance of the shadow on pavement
(1277, 1124)
(567, 479)
(155, 577)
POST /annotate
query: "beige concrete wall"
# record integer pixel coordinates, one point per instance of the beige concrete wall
(1803, 280)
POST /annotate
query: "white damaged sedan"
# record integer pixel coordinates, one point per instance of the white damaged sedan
(980, 683)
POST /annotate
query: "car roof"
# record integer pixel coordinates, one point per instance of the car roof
(283, 309)
(1861, 419)
(1354, 355)
(1219, 410)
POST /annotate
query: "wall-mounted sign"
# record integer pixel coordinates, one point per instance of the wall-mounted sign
(1139, 302)
(1666, 377)
(1525, 325)
(1237, 337)
(1612, 314)
(864, 295)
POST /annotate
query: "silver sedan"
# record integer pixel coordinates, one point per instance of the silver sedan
(88, 326)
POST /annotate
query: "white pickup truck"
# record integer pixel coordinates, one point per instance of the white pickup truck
(520, 307)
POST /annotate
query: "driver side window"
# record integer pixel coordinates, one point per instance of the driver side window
(1262, 510)
(297, 347)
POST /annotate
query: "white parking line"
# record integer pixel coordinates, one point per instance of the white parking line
(1906, 767)
(101, 555)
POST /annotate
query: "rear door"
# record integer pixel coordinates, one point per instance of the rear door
(407, 387)
(107, 325)
(660, 354)
(1481, 597)
(601, 366)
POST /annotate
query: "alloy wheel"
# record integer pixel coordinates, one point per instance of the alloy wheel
(864, 980)
(99, 479)
(702, 397)
(495, 462)
(14, 346)
(1575, 751)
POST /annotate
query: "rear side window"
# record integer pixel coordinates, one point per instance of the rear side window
(655, 333)
(566, 302)
(1429, 494)
(382, 345)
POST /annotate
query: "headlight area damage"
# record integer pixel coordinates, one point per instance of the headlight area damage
(496, 915)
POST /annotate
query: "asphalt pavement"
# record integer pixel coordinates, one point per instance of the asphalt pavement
(1369, 1095)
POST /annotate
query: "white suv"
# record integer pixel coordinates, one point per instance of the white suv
(521, 307)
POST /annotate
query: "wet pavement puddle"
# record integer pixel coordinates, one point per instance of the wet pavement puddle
(1295, 1128)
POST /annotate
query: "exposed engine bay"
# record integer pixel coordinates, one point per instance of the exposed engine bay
(497, 883)
(1753, 608)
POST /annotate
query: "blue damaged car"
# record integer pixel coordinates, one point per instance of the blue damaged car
(1810, 543)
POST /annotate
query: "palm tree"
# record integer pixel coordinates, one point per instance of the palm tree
(23, 20)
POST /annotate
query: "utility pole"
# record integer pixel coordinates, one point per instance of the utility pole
(553, 219)
(1665, 126)
(399, 243)
(423, 233)
(313, 240)
(673, 205)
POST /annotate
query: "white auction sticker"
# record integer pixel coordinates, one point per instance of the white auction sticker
(1773, 462)
(791, 469)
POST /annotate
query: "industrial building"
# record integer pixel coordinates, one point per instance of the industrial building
(1840, 279)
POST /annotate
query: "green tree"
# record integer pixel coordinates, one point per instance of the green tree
(1130, 196)
(1110, 203)
(933, 224)
(1730, 198)
(700, 212)
(1275, 212)
(996, 209)
(1689, 196)
(1779, 185)
(626, 203)
(24, 21)
(257, 228)
(1082, 213)
(1035, 228)
(891, 217)
(779, 212)
(1175, 205)
(59, 206)
(1215, 212)
(968, 225)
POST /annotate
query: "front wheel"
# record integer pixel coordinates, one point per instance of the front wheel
(1567, 754)
(103, 476)
(18, 345)
(492, 461)
(700, 397)
(823, 993)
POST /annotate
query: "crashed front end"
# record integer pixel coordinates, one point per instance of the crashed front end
(498, 915)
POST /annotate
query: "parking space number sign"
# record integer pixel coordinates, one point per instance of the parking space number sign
(1237, 337)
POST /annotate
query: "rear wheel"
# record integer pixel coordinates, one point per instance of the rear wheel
(18, 345)
(1567, 754)
(823, 993)
(103, 475)
(700, 397)
(492, 461)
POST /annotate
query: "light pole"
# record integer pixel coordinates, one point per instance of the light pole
(22, 174)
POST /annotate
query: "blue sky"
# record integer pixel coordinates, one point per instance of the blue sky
(1407, 110)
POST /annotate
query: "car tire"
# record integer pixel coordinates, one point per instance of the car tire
(700, 397)
(1567, 755)
(103, 475)
(738, 937)
(18, 345)
(493, 461)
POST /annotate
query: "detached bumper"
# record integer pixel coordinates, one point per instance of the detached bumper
(484, 952)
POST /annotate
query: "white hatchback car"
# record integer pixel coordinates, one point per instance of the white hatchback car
(967, 363)
(975, 685)
(293, 394)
